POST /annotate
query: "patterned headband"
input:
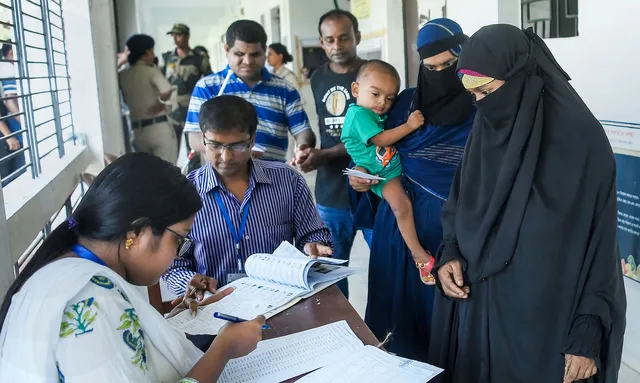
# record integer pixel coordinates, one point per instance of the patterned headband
(472, 80)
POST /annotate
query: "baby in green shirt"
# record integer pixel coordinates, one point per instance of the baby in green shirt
(371, 148)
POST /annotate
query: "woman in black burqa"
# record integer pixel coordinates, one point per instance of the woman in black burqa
(529, 269)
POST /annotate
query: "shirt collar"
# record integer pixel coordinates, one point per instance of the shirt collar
(256, 174)
(379, 118)
(266, 76)
(175, 53)
(144, 63)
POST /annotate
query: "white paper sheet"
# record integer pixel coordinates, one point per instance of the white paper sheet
(363, 175)
(250, 298)
(288, 250)
(289, 356)
(284, 270)
(371, 365)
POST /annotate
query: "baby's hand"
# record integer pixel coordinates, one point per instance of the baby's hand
(416, 120)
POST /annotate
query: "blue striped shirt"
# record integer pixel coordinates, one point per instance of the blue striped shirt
(277, 104)
(281, 209)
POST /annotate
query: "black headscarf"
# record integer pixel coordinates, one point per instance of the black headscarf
(536, 187)
(439, 95)
(139, 45)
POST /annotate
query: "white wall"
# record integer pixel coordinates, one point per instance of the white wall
(606, 86)
(473, 14)
(99, 88)
(159, 20)
(384, 28)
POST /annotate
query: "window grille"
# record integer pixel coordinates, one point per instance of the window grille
(33, 30)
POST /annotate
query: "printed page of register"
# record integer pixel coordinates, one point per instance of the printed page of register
(289, 356)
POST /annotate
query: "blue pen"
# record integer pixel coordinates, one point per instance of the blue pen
(232, 319)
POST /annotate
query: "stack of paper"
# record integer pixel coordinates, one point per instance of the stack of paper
(289, 356)
(372, 365)
(363, 175)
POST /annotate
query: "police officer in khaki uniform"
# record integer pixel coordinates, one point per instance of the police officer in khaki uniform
(145, 90)
(183, 67)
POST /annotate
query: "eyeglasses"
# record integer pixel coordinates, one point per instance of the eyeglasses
(184, 244)
(217, 147)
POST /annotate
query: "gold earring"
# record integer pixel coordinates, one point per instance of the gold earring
(128, 243)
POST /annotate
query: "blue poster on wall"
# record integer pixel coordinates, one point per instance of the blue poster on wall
(629, 214)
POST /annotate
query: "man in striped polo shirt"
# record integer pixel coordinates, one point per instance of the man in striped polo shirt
(249, 206)
(276, 101)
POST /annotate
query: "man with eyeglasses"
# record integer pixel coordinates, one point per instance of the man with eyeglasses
(249, 206)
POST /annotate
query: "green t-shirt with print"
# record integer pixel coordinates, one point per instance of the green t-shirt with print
(360, 126)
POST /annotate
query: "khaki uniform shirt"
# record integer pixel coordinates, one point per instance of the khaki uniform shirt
(183, 73)
(141, 85)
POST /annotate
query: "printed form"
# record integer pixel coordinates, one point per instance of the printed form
(372, 365)
(289, 356)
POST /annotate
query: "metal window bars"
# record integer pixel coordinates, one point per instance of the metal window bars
(35, 31)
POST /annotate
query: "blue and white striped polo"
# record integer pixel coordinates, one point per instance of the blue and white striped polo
(277, 104)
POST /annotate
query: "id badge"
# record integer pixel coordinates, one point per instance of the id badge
(234, 277)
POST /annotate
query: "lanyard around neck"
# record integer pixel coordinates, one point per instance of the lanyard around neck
(236, 234)
(85, 253)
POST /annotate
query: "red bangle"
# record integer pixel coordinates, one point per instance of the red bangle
(430, 264)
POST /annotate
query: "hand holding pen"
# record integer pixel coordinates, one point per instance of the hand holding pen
(239, 339)
(233, 319)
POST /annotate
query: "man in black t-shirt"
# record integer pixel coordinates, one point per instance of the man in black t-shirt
(331, 85)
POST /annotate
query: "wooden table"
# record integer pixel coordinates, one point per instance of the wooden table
(328, 306)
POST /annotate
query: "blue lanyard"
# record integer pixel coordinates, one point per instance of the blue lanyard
(237, 235)
(85, 253)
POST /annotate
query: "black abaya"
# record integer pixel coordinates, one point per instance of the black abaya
(532, 218)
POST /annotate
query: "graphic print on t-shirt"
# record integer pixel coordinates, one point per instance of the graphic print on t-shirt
(385, 154)
(335, 100)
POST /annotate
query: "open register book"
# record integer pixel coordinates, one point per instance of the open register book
(274, 283)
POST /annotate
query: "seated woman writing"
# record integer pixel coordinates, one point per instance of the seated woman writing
(74, 314)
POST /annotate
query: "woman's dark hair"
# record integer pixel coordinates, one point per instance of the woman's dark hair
(136, 191)
(247, 31)
(139, 45)
(228, 113)
(6, 49)
(281, 50)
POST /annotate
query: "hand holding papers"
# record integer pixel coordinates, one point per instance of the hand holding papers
(363, 175)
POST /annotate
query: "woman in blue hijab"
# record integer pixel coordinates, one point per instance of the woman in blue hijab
(398, 302)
